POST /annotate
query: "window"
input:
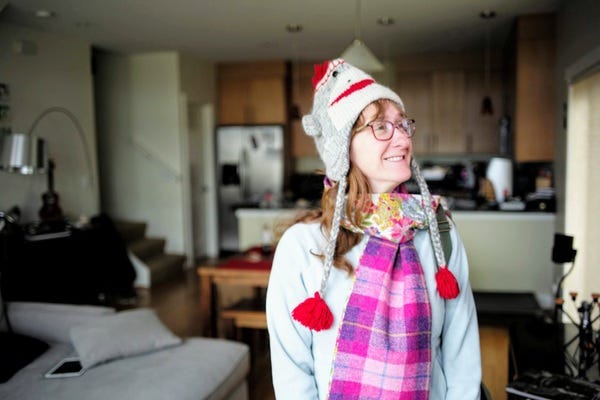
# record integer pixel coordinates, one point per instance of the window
(582, 197)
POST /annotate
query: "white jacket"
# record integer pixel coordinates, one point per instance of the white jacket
(301, 359)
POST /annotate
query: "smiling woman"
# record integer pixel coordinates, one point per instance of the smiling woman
(344, 276)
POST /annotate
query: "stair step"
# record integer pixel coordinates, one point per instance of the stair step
(131, 231)
(165, 266)
(147, 248)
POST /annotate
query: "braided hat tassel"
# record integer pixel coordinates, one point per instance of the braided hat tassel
(446, 283)
(314, 312)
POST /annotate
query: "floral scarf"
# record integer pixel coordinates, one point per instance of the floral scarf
(383, 350)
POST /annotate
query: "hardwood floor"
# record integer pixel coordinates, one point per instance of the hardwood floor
(176, 303)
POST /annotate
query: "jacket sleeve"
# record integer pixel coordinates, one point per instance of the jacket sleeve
(460, 337)
(291, 343)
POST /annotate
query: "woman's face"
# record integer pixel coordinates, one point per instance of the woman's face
(385, 164)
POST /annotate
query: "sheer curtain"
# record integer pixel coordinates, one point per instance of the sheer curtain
(582, 204)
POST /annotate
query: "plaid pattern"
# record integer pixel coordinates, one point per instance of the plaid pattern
(384, 350)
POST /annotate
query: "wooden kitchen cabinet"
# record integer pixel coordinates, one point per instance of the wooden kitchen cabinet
(482, 130)
(532, 96)
(444, 94)
(414, 88)
(302, 145)
(449, 120)
(252, 93)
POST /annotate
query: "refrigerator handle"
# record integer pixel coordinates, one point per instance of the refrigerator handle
(242, 171)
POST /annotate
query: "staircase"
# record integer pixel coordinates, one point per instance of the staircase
(150, 251)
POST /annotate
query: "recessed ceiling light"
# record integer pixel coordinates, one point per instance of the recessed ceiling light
(385, 21)
(293, 28)
(44, 14)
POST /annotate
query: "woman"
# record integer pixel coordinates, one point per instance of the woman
(360, 303)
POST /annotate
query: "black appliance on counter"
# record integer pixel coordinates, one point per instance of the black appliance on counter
(534, 184)
(307, 186)
(458, 182)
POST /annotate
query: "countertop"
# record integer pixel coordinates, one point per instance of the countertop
(265, 212)
(508, 251)
(466, 214)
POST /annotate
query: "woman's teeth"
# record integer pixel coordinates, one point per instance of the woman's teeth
(395, 158)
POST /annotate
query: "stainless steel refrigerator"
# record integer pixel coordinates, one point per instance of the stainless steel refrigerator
(250, 174)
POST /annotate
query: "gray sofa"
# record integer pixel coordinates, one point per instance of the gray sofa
(130, 355)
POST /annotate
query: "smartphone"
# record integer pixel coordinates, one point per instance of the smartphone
(67, 367)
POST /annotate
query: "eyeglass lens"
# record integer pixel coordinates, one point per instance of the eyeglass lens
(385, 130)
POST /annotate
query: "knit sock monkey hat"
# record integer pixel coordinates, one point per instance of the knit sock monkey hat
(341, 92)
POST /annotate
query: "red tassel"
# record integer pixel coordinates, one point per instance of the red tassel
(446, 283)
(313, 313)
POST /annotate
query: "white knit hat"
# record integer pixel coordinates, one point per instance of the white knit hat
(341, 92)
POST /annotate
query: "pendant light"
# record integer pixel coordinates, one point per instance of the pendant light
(487, 108)
(358, 54)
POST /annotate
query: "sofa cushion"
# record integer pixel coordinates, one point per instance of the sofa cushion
(16, 351)
(122, 334)
(50, 322)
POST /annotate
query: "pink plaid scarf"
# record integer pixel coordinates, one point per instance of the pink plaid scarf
(383, 348)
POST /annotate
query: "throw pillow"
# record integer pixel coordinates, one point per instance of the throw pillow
(51, 322)
(123, 334)
(16, 351)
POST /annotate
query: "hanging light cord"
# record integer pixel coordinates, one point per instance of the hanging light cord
(487, 57)
(357, 31)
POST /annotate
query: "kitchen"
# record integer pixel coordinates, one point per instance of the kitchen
(458, 168)
(509, 233)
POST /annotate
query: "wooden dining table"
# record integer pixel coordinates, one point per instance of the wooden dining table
(239, 270)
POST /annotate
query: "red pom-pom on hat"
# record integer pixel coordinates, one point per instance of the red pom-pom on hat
(313, 313)
(447, 285)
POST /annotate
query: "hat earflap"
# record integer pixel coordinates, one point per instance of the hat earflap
(314, 313)
(446, 283)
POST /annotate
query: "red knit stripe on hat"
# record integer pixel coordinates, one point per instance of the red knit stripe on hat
(319, 72)
(353, 88)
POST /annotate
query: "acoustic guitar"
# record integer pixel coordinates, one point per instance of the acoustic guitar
(50, 211)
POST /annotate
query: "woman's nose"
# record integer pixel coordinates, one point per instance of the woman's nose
(400, 135)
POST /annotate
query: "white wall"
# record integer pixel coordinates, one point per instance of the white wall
(145, 128)
(198, 82)
(139, 138)
(55, 71)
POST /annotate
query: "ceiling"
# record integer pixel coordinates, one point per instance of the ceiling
(232, 30)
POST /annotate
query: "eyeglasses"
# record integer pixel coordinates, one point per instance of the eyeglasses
(384, 130)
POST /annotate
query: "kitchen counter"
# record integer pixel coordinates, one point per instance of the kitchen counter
(253, 221)
(508, 251)
(242, 213)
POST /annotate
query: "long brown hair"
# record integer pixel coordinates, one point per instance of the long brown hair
(358, 198)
